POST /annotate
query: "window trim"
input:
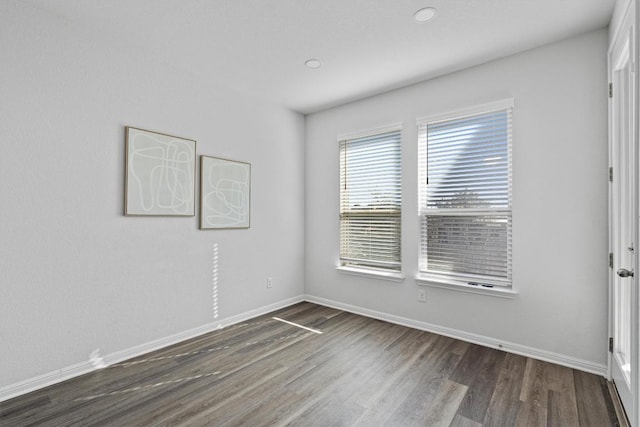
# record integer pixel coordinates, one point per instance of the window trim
(452, 280)
(371, 272)
(392, 127)
(449, 283)
(358, 270)
(468, 111)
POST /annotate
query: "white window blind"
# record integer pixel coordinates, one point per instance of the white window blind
(370, 201)
(465, 197)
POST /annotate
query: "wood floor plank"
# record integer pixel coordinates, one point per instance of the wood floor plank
(504, 403)
(399, 356)
(357, 371)
(532, 410)
(349, 366)
(330, 410)
(445, 405)
(591, 405)
(561, 409)
(416, 387)
(424, 399)
(479, 370)
(460, 421)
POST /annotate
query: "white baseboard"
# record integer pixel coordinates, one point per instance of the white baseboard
(31, 384)
(534, 353)
(13, 390)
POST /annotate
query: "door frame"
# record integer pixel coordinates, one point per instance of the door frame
(630, 16)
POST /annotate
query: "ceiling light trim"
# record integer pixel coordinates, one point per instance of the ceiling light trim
(313, 63)
(425, 14)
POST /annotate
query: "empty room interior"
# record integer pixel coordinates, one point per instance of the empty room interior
(319, 213)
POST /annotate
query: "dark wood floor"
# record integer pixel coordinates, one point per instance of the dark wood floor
(358, 372)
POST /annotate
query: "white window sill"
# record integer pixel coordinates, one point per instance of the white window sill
(455, 285)
(374, 274)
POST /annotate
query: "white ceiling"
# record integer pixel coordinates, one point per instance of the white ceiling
(366, 46)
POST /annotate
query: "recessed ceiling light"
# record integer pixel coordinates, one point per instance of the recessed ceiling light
(425, 14)
(313, 63)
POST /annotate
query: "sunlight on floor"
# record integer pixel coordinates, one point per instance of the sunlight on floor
(297, 325)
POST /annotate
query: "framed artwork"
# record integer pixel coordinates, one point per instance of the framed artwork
(225, 193)
(160, 174)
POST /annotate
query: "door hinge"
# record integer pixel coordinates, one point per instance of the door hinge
(610, 90)
(610, 173)
(610, 344)
(610, 260)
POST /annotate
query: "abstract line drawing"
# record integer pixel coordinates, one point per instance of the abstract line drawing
(160, 174)
(225, 193)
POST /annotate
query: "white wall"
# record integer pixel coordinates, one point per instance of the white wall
(559, 201)
(75, 274)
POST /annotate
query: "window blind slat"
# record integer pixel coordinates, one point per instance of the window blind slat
(370, 201)
(465, 197)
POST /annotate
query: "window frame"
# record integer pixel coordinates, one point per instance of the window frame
(474, 283)
(363, 270)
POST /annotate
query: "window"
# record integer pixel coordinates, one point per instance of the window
(370, 201)
(465, 196)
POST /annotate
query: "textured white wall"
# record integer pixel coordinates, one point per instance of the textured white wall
(559, 202)
(75, 274)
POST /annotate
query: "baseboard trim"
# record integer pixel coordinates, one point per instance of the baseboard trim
(41, 381)
(35, 383)
(534, 353)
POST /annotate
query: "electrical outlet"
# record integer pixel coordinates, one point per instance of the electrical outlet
(422, 295)
(269, 282)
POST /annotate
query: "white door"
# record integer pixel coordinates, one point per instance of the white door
(624, 218)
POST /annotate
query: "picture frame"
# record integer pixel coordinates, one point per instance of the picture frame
(159, 174)
(225, 193)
